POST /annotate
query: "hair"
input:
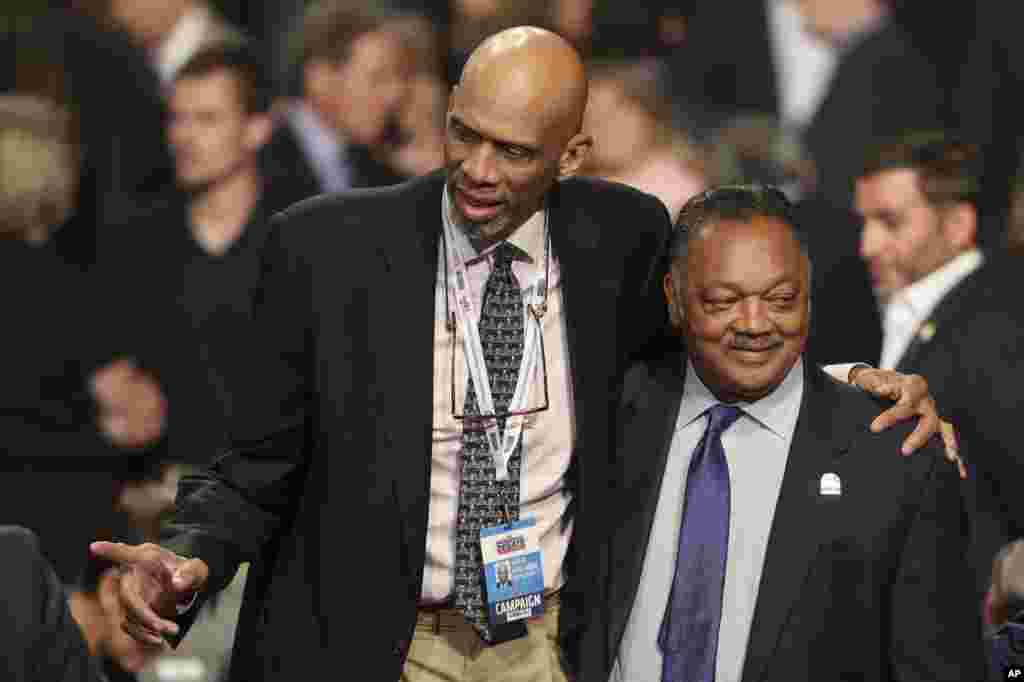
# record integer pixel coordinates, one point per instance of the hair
(948, 169)
(730, 202)
(38, 165)
(329, 28)
(238, 58)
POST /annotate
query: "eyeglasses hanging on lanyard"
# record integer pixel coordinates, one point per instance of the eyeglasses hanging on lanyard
(536, 311)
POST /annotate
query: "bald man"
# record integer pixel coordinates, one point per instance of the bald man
(436, 401)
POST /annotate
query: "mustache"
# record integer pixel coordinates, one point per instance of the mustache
(755, 343)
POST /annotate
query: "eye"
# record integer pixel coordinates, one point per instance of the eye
(462, 133)
(719, 304)
(516, 152)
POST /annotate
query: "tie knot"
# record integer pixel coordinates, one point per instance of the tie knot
(504, 254)
(721, 417)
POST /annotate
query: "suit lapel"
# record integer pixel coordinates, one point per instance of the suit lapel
(646, 424)
(407, 379)
(574, 243)
(798, 526)
(943, 314)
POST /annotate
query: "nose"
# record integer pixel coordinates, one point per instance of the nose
(753, 317)
(872, 240)
(480, 165)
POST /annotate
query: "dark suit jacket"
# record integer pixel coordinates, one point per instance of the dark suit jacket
(41, 641)
(327, 486)
(289, 177)
(973, 363)
(870, 585)
(881, 87)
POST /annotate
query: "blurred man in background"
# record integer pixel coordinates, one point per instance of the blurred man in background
(353, 72)
(636, 142)
(75, 415)
(951, 314)
(839, 72)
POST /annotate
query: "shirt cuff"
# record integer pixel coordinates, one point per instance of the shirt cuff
(842, 372)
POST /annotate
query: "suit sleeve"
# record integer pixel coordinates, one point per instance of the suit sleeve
(935, 632)
(228, 513)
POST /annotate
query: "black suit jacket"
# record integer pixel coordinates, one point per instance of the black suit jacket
(882, 87)
(970, 351)
(869, 585)
(289, 176)
(327, 486)
(41, 641)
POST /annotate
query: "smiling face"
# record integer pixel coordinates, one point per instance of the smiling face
(741, 301)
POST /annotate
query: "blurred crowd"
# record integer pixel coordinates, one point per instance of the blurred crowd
(144, 143)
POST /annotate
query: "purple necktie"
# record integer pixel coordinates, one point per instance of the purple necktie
(688, 637)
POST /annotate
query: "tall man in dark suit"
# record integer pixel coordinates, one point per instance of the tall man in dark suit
(950, 312)
(362, 472)
(788, 545)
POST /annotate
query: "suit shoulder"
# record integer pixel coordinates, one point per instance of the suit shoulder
(856, 409)
(616, 202)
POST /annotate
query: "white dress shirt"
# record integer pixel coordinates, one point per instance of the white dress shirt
(909, 307)
(756, 449)
(804, 64)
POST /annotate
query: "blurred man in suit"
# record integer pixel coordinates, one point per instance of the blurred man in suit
(790, 526)
(74, 415)
(353, 74)
(171, 31)
(950, 313)
(840, 72)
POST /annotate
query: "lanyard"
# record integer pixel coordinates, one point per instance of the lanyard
(534, 298)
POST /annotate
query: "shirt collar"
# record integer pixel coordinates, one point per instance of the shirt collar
(777, 411)
(528, 237)
(183, 41)
(922, 296)
(314, 133)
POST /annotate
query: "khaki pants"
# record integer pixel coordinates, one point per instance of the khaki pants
(447, 648)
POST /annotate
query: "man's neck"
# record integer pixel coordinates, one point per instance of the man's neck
(90, 619)
(218, 215)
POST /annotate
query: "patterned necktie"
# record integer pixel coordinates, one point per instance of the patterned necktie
(484, 501)
(688, 638)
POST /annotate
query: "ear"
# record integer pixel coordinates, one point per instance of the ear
(575, 154)
(961, 226)
(258, 131)
(675, 307)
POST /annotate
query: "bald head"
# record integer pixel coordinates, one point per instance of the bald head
(534, 70)
(514, 128)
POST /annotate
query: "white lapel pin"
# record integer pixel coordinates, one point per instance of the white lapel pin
(831, 485)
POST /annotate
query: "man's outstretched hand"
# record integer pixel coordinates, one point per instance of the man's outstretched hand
(155, 582)
(910, 393)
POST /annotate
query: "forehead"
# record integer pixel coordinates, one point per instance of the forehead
(889, 188)
(218, 90)
(377, 50)
(514, 110)
(745, 254)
